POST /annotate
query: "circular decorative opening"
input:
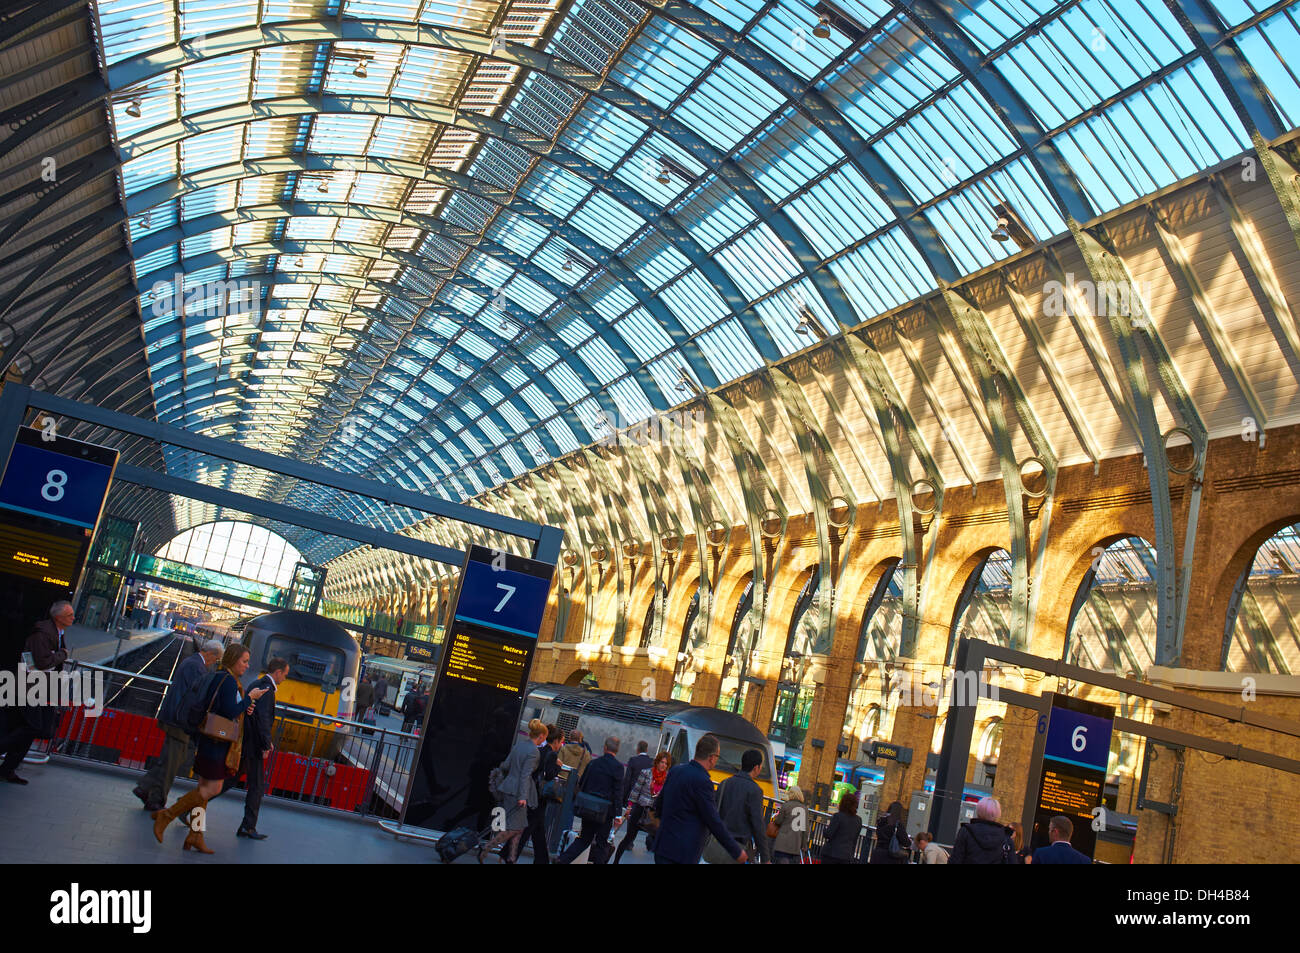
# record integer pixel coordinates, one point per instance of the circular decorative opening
(771, 524)
(838, 503)
(1033, 477)
(671, 544)
(920, 490)
(600, 554)
(631, 550)
(570, 557)
(1191, 448)
(716, 532)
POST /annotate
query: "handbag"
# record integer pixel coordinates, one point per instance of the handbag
(773, 829)
(896, 851)
(649, 821)
(217, 726)
(235, 752)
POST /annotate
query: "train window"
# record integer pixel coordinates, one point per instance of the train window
(732, 753)
(678, 752)
(307, 662)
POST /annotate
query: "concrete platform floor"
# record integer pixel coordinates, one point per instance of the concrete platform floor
(78, 813)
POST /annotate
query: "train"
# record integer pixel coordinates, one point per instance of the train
(672, 726)
(324, 663)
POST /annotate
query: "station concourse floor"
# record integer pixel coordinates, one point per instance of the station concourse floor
(78, 813)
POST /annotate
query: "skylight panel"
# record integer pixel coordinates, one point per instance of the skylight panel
(149, 169)
(571, 329)
(729, 350)
(730, 103)
(430, 74)
(602, 360)
(554, 189)
(716, 215)
(397, 138)
(215, 198)
(602, 133)
(562, 435)
(789, 156)
(529, 293)
(519, 234)
(881, 275)
(757, 262)
(132, 27)
(535, 399)
(662, 61)
(332, 132)
(222, 81)
(643, 334)
(694, 301)
(607, 221)
(838, 211)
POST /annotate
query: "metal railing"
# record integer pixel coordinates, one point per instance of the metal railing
(331, 762)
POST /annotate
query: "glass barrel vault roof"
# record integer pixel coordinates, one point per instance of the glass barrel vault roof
(443, 243)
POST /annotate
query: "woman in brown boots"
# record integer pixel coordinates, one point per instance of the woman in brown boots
(215, 760)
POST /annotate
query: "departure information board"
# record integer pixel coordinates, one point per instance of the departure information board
(1072, 776)
(473, 710)
(43, 557)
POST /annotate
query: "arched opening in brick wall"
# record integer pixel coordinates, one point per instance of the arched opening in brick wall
(983, 609)
(1261, 634)
(692, 639)
(987, 753)
(795, 690)
(740, 648)
(582, 678)
(869, 714)
(1112, 624)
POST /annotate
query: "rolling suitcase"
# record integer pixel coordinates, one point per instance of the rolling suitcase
(456, 843)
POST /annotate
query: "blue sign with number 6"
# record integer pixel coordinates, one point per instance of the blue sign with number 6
(1078, 738)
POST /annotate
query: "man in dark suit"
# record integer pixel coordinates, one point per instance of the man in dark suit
(602, 779)
(688, 812)
(636, 764)
(257, 744)
(740, 805)
(49, 650)
(1059, 831)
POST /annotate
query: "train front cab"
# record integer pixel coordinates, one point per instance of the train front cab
(679, 736)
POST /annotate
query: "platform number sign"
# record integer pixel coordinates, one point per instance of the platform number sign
(473, 713)
(62, 479)
(1072, 776)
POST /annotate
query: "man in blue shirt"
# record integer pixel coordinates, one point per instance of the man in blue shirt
(688, 811)
(1059, 831)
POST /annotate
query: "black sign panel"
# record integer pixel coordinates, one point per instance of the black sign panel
(1073, 773)
(474, 707)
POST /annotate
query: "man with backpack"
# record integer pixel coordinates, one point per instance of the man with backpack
(178, 747)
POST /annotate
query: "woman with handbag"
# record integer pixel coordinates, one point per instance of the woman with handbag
(219, 741)
(518, 793)
(842, 832)
(544, 778)
(788, 828)
(645, 789)
(893, 846)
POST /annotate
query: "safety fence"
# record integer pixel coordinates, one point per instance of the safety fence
(317, 759)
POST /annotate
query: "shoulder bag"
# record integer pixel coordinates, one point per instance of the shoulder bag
(218, 727)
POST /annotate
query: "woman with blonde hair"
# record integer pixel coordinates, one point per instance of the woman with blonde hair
(518, 793)
(790, 822)
(215, 759)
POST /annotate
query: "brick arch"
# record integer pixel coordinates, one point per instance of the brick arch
(641, 590)
(947, 615)
(1220, 591)
(574, 678)
(1069, 554)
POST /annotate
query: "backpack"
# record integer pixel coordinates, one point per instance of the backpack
(196, 702)
(1008, 852)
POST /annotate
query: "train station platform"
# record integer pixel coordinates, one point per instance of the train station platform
(98, 647)
(77, 813)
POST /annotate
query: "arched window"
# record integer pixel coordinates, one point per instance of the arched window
(1262, 630)
(684, 672)
(795, 691)
(984, 607)
(878, 641)
(740, 645)
(659, 605)
(1112, 625)
(237, 548)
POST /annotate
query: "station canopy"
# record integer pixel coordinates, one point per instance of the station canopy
(440, 244)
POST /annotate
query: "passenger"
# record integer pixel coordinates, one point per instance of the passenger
(639, 762)
(658, 775)
(791, 822)
(740, 805)
(984, 840)
(214, 760)
(518, 793)
(601, 782)
(575, 755)
(1018, 842)
(257, 745)
(688, 812)
(413, 709)
(931, 853)
(548, 769)
(889, 826)
(23, 725)
(842, 832)
(1059, 831)
(365, 698)
(178, 746)
(381, 694)
(641, 795)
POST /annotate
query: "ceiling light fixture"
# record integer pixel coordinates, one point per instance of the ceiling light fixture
(323, 187)
(1010, 227)
(568, 264)
(360, 71)
(809, 326)
(498, 42)
(1000, 234)
(823, 28)
(665, 175)
(133, 108)
(299, 263)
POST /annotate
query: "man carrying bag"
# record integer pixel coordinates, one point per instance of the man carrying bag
(594, 802)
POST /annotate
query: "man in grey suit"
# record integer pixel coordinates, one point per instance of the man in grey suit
(178, 747)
